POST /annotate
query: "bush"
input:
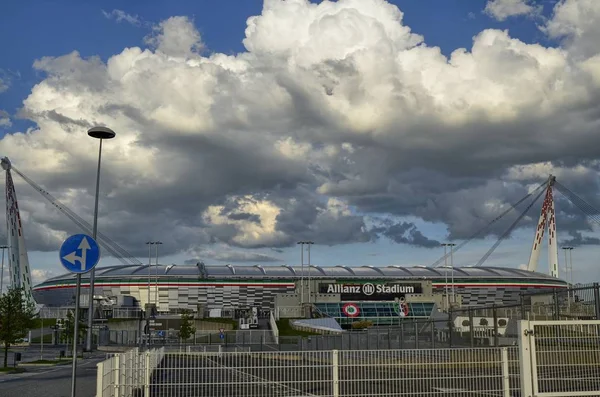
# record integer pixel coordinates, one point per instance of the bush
(483, 322)
(466, 323)
(502, 322)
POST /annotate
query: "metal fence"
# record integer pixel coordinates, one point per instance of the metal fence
(560, 358)
(327, 373)
(128, 374)
(554, 358)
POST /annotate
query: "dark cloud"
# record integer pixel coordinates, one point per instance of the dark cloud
(233, 257)
(406, 233)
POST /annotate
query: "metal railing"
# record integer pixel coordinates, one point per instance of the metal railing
(274, 328)
(560, 358)
(317, 373)
(127, 374)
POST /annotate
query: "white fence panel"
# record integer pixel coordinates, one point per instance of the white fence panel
(485, 371)
(560, 358)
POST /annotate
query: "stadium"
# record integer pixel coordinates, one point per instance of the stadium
(214, 287)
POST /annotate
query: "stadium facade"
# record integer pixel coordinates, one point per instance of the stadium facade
(173, 288)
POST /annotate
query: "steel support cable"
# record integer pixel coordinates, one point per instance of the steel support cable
(483, 229)
(509, 230)
(117, 251)
(578, 202)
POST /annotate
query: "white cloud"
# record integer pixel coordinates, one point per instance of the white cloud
(120, 16)
(335, 112)
(3, 85)
(5, 119)
(176, 36)
(502, 9)
(576, 21)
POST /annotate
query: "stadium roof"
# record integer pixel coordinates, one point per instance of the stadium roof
(328, 272)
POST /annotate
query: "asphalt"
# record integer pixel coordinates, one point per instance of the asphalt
(50, 381)
(249, 376)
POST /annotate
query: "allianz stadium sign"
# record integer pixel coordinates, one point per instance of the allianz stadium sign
(370, 291)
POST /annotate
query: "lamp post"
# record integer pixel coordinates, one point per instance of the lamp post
(301, 243)
(148, 311)
(452, 245)
(445, 245)
(100, 133)
(2, 247)
(156, 244)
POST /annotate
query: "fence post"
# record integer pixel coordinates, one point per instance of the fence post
(147, 375)
(597, 300)
(495, 319)
(505, 373)
(100, 379)
(450, 327)
(471, 328)
(522, 297)
(335, 368)
(117, 373)
(556, 306)
(526, 375)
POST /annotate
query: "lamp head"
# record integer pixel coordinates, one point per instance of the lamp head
(101, 133)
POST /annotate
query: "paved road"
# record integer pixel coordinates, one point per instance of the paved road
(51, 381)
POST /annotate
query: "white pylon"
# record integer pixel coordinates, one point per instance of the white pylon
(547, 220)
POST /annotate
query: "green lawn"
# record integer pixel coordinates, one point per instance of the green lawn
(12, 370)
(285, 329)
(233, 323)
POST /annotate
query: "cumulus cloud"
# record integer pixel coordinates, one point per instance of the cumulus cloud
(3, 85)
(122, 16)
(503, 9)
(336, 124)
(5, 119)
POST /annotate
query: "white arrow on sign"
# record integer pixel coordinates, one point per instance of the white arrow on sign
(73, 257)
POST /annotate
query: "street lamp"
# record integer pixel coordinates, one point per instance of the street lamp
(445, 245)
(156, 244)
(2, 247)
(100, 133)
(569, 270)
(452, 245)
(301, 243)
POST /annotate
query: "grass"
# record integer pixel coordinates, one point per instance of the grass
(285, 329)
(59, 361)
(47, 339)
(47, 322)
(230, 321)
(12, 370)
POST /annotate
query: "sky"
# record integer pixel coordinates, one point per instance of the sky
(377, 129)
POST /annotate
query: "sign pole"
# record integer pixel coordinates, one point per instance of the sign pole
(79, 254)
(75, 336)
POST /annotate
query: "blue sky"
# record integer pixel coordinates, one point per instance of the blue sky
(30, 31)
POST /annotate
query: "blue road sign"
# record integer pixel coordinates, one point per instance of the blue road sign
(79, 253)
(222, 335)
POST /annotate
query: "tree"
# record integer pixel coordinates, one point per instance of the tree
(16, 318)
(186, 327)
(67, 335)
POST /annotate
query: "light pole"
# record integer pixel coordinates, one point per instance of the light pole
(445, 245)
(100, 133)
(301, 243)
(452, 245)
(309, 243)
(148, 310)
(2, 247)
(156, 244)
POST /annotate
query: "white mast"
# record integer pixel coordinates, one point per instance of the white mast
(547, 220)
(18, 261)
